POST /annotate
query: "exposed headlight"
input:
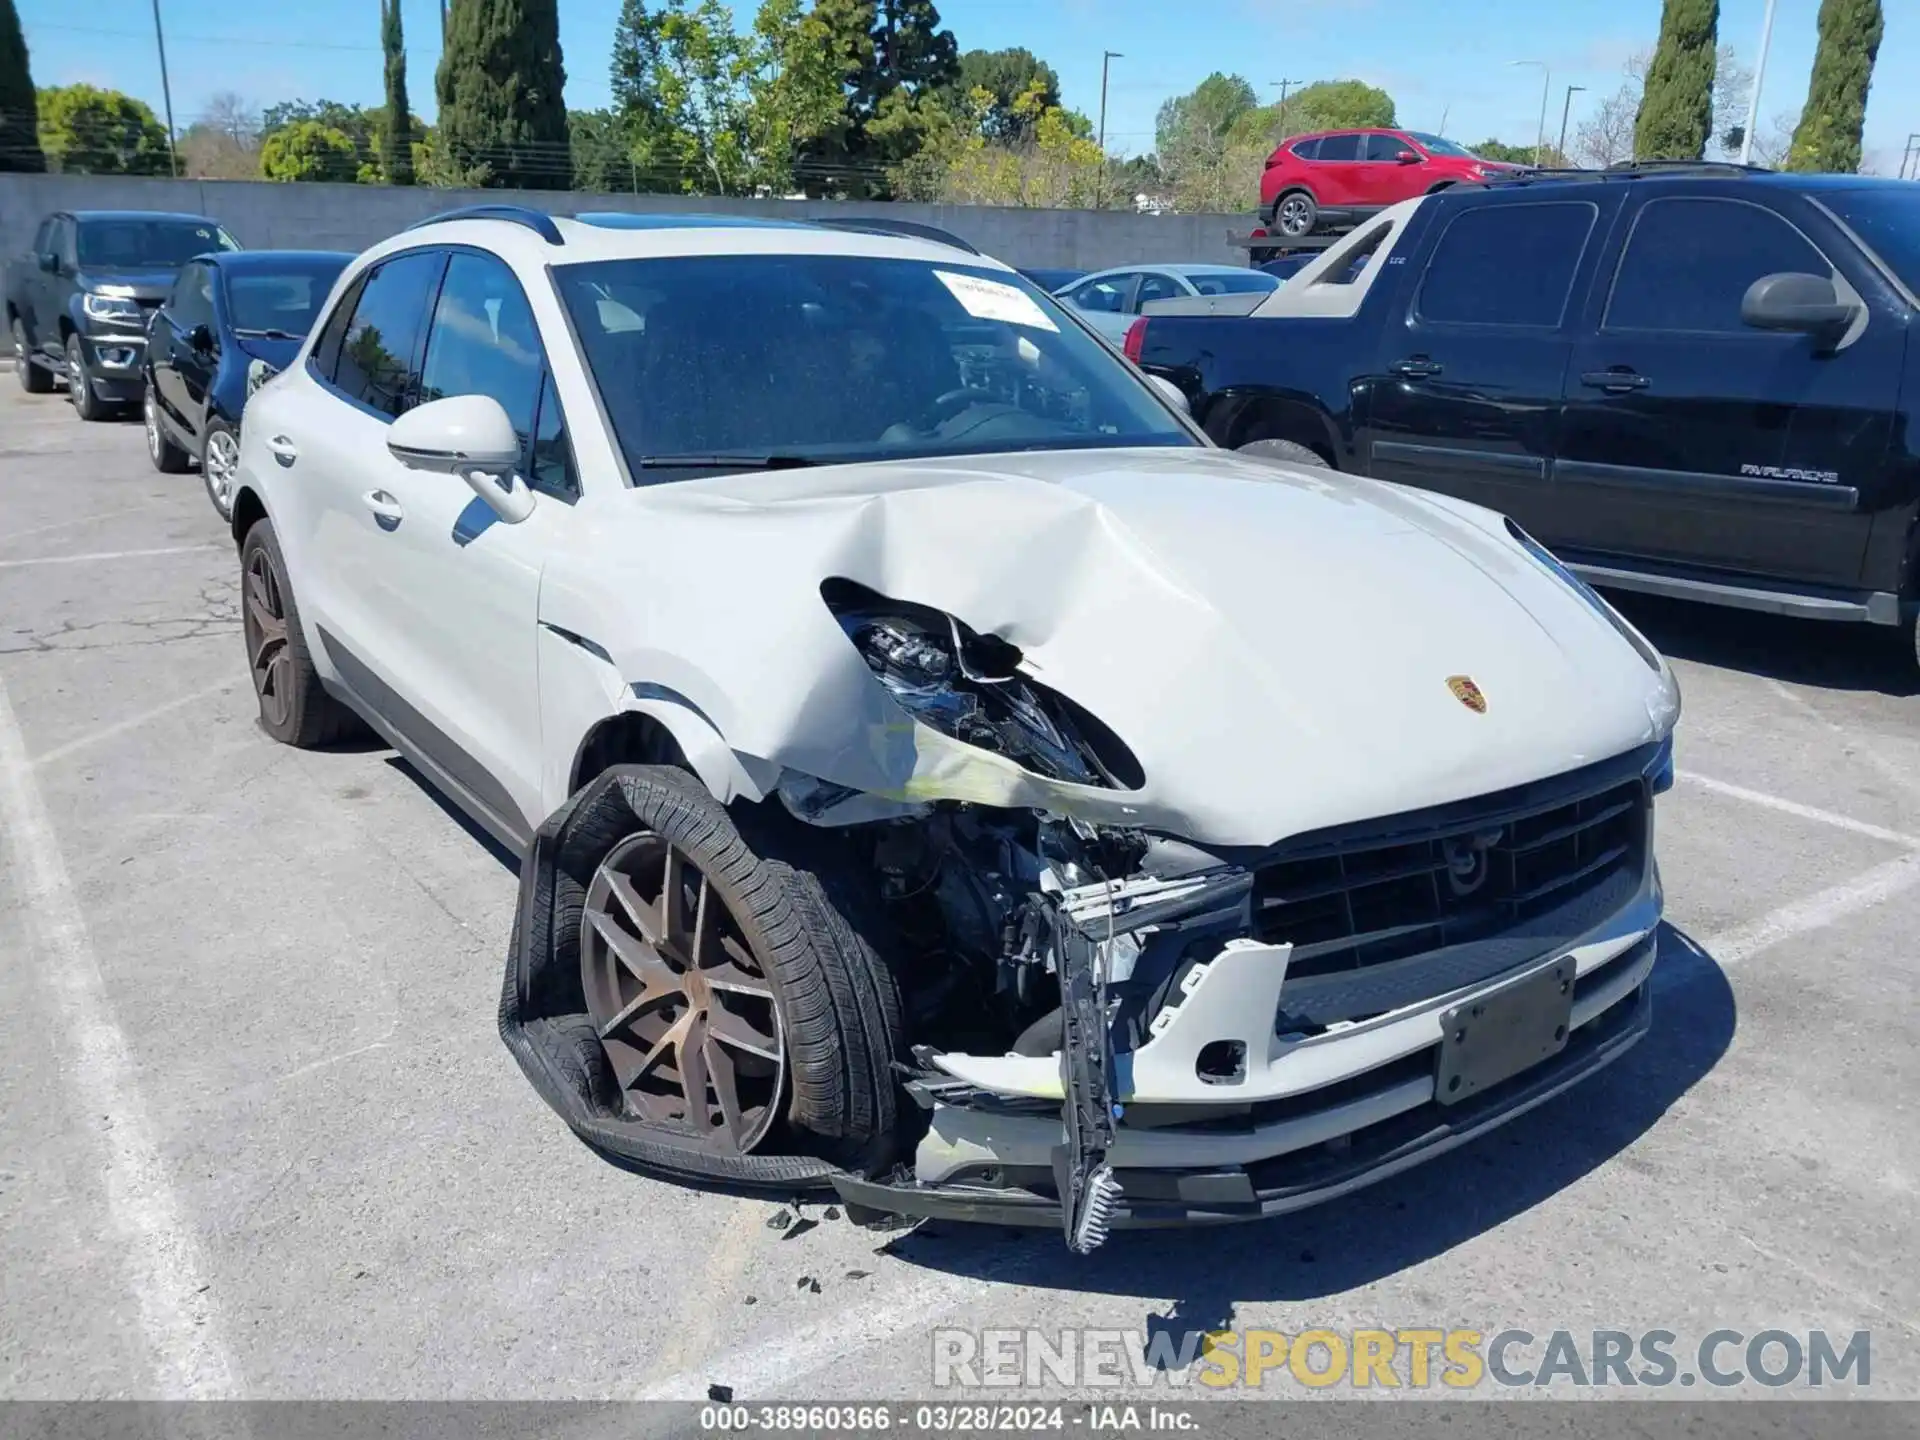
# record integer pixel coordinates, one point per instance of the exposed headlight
(119, 308)
(971, 687)
(1586, 592)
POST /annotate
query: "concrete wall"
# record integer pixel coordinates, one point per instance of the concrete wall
(263, 215)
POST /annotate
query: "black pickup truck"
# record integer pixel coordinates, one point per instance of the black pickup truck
(1693, 381)
(78, 302)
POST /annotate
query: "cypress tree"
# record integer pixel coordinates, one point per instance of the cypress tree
(1828, 136)
(19, 108)
(1676, 108)
(502, 118)
(396, 134)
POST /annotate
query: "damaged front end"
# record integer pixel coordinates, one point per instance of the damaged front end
(1107, 1025)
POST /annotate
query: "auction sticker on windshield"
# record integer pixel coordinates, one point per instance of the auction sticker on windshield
(991, 300)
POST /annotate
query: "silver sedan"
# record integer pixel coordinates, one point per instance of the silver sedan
(1109, 300)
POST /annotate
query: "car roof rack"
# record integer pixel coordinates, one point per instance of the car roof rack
(1628, 170)
(881, 225)
(537, 221)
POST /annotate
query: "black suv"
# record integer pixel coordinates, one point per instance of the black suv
(79, 301)
(1689, 380)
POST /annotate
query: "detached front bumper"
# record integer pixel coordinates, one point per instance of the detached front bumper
(1337, 1143)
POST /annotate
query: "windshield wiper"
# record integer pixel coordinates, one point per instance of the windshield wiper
(266, 334)
(723, 462)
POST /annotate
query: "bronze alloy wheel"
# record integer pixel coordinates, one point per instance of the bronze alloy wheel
(682, 1005)
(265, 624)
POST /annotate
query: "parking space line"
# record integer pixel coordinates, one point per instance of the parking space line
(1861, 745)
(1804, 812)
(77, 520)
(133, 722)
(104, 555)
(1815, 912)
(164, 1269)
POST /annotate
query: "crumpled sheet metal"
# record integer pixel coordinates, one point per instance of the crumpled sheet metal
(1272, 643)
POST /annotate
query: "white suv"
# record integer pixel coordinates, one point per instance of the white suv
(943, 775)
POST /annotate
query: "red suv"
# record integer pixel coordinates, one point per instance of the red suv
(1339, 177)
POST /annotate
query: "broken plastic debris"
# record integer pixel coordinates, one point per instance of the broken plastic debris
(779, 1220)
(721, 1393)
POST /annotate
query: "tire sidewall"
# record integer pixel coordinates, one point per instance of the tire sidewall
(85, 403)
(261, 538)
(1313, 214)
(225, 512)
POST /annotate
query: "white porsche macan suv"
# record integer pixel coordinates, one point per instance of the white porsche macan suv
(941, 775)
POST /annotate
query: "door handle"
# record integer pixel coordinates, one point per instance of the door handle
(386, 510)
(283, 449)
(1616, 382)
(1418, 368)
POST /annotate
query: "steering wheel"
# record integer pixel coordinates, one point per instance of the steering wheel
(949, 405)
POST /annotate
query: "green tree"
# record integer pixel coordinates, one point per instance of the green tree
(897, 65)
(1332, 105)
(502, 119)
(1205, 150)
(308, 150)
(19, 108)
(1828, 136)
(1676, 108)
(599, 143)
(86, 130)
(1007, 76)
(396, 138)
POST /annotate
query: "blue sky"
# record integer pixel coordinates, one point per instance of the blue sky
(1441, 62)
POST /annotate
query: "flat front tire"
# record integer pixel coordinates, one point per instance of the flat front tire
(294, 707)
(738, 1008)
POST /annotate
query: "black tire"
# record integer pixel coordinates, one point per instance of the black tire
(294, 708)
(1289, 452)
(34, 379)
(1295, 215)
(219, 437)
(838, 1003)
(86, 404)
(167, 457)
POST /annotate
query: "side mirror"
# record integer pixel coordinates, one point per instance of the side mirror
(1800, 303)
(1171, 393)
(1408, 157)
(469, 436)
(49, 262)
(200, 339)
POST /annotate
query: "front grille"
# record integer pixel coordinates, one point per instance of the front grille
(1387, 919)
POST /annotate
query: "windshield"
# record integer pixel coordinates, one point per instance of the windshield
(282, 299)
(834, 358)
(1434, 145)
(1888, 221)
(1234, 284)
(143, 244)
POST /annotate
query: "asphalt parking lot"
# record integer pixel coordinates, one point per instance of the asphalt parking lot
(259, 1137)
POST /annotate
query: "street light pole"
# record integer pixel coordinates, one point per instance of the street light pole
(166, 91)
(1565, 111)
(1759, 79)
(1546, 86)
(1106, 58)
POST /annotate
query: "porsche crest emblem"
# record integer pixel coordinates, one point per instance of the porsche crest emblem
(1467, 693)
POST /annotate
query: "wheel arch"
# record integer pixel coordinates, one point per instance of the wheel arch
(1281, 417)
(248, 510)
(660, 727)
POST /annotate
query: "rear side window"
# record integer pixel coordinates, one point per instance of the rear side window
(379, 361)
(326, 350)
(1339, 147)
(484, 341)
(1307, 149)
(1689, 262)
(1510, 265)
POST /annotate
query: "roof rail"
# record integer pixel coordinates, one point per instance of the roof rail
(881, 225)
(1628, 170)
(537, 221)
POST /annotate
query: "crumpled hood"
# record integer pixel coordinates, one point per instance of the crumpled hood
(1274, 644)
